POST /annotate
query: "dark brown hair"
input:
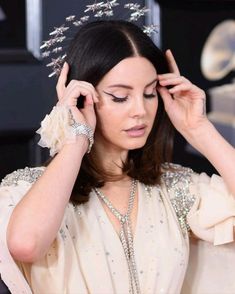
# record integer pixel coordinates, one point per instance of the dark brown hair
(95, 50)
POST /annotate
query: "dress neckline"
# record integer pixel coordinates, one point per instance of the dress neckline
(109, 222)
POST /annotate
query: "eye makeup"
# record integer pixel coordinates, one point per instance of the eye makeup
(123, 99)
(115, 98)
(149, 96)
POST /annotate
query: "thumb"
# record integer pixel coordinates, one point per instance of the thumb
(89, 112)
(166, 97)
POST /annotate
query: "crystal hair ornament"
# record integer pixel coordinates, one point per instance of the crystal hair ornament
(55, 46)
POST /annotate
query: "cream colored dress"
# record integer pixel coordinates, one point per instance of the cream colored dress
(87, 255)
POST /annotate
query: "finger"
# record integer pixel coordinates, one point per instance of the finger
(60, 87)
(77, 86)
(173, 81)
(89, 111)
(169, 76)
(92, 89)
(172, 63)
(166, 97)
(74, 92)
(179, 88)
(88, 86)
(89, 100)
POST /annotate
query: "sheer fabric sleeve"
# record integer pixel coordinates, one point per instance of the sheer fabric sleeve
(212, 217)
(202, 204)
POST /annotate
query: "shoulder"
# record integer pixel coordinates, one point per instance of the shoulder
(12, 189)
(177, 181)
(27, 174)
(175, 174)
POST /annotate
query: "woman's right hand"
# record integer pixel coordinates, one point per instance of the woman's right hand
(53, 183)
(68, 96)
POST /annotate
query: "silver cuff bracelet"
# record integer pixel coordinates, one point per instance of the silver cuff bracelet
(83, 129)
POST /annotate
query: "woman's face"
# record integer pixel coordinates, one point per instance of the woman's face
(127, 105)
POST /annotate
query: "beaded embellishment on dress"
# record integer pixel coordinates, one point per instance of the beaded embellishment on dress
(177, 180)
(27, 174)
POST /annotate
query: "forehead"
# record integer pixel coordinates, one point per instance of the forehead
(131, 71)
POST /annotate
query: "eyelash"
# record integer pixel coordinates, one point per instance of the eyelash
(120, 100)
(149, 96)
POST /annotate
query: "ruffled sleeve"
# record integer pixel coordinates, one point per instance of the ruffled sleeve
(12, 188)
(212, 217)
(56, 130)
(203, 204)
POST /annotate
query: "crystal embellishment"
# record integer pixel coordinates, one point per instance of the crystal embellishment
(104, 9)
(70, 18)
(27, 174)
(94, 7)
(148, 30)
(177, 180)
(59, 31)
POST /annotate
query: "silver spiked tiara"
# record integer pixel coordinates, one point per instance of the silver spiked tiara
(55, 46)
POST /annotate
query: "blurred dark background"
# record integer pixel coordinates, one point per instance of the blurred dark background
(27, 94)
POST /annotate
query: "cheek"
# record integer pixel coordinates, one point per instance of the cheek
(108, 118)
(153, 106)
(156, 104)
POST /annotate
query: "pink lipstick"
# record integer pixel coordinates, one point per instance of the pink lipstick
(136, 131)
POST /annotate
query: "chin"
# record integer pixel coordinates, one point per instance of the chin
(137, 144)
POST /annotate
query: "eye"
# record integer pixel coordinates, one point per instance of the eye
(117, 99)
(149, 96)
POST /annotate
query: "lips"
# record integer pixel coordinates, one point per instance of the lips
(136, 131)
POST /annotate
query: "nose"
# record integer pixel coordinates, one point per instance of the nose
(138, 107)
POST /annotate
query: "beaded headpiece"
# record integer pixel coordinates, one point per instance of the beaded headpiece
(54, 47)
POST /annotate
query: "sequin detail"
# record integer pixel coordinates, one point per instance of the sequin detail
(177, 180)
(27, 174)
(149, 190)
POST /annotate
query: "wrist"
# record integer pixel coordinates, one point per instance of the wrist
(79, 146)
(202, 136)
(85, 131)
(59, 128)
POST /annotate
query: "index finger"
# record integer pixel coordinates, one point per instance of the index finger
(60, 87)
(172, 63)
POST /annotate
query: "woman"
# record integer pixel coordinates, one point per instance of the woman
(116, 220)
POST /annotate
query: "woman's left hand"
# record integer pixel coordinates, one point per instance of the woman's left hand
(184, 102)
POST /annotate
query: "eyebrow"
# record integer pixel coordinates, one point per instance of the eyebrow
(129, 87)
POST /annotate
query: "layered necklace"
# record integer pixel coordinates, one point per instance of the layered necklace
(125, 235)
